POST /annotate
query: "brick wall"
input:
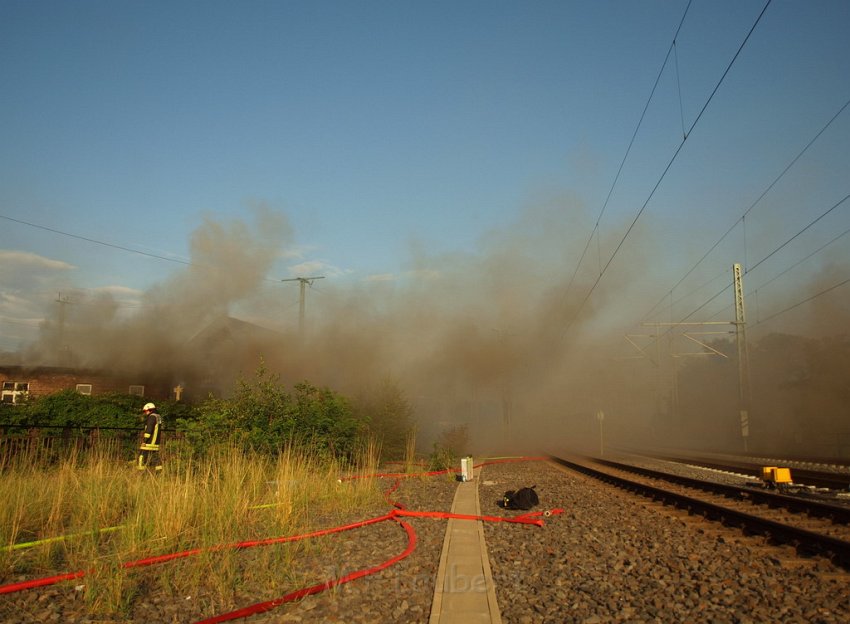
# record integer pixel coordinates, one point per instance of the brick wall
(47, 380)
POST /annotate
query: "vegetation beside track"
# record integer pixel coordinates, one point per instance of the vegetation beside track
(229, 496)
(264, 463)
(262, 415)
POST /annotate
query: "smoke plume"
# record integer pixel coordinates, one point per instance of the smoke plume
(515, 339)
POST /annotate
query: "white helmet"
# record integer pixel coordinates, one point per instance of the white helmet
(148, 407)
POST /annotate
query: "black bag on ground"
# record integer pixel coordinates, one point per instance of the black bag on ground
(523, 498)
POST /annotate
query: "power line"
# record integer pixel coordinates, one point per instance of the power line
(33, 324)
(95, 241)
(111, 245)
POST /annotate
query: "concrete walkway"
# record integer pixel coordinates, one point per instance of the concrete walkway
(465, 591)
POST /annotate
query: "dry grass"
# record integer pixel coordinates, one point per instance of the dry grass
(227, 498)
(410, 464)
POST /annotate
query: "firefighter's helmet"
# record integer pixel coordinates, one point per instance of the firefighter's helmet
(149, 407)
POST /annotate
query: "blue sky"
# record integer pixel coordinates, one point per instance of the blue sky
(378, 128)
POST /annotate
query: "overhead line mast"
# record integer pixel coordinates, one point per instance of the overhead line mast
(743, 355)
(744, 393)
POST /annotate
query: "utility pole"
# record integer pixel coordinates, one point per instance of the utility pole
(743, 355)
(304, 281)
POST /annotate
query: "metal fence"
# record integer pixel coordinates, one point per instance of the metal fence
(38, 444)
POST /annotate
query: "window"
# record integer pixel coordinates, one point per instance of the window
(15, 391)
(84, 389)
(137, 390)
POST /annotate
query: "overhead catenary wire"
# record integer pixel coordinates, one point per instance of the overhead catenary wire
(679, 88)
(776, 250)
(595, 230)
(742, 218)
(809, 225)
(801, 260)
(755, 291)
(700, 307)
(806, 300)
(695, 290)
(667, 167)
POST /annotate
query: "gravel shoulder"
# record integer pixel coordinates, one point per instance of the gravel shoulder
(610, 557)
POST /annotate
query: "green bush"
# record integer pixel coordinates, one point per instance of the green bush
(69, 409)
(442, 459)
(388, 416)
(263, 416)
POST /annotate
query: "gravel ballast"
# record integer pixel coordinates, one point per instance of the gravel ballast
(612, 558)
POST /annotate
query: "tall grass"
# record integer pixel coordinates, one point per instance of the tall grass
(228, 497)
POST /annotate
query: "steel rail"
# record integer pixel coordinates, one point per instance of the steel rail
(805, 541)
(813, 507)
(836, 481)
(747, 464)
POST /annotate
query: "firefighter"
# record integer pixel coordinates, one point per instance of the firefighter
(149, 450)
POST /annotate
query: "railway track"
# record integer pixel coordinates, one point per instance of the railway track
(818, 474)
(811, 526)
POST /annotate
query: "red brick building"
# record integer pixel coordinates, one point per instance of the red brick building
(210, 362)
(20, 381)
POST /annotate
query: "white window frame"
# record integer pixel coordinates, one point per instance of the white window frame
(14, 391)
(136, 390)
(84, 389)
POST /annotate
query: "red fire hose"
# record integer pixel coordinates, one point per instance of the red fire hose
(138, 563)
(261, 607)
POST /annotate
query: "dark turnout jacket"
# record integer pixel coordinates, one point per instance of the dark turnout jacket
(153, 426)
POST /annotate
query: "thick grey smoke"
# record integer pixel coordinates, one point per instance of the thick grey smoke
(228, 263)
(502, 339)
